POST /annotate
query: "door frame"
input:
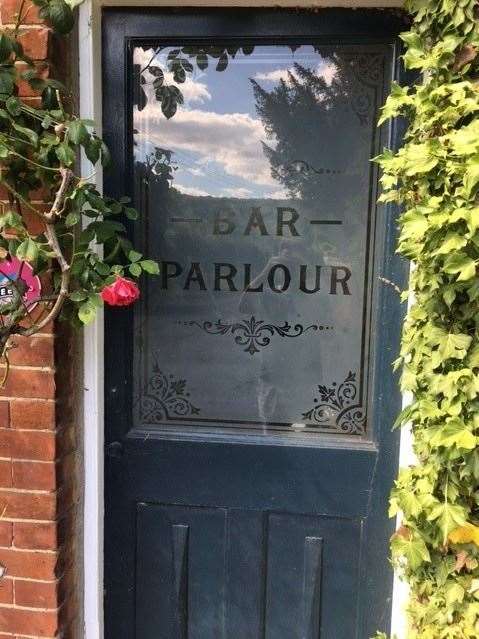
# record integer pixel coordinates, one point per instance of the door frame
(90, 90)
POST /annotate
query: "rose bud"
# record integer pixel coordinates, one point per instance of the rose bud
(122, 292)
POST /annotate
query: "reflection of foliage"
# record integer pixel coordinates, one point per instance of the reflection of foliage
(300, 115)
(159, 162)
(178, 62)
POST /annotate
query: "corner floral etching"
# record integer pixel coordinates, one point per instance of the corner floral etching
(336, 408)
(365, 77)
(166, 398)
(254, 334)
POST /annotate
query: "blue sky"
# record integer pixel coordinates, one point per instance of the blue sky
(216, 135)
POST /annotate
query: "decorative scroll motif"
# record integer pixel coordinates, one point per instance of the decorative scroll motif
(336, 408)
(166, 398)
(365, 76)
(254, 334)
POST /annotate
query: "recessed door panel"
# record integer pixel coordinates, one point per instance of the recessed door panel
(312, 564)
(180, 572)
(205, 573)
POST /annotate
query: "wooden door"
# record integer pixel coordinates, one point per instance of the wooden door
(250, 394)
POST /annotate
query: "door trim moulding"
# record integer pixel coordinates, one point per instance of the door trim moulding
(90, 101)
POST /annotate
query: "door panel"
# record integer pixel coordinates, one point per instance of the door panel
(207, 573)
(180, 572)
(249, 395)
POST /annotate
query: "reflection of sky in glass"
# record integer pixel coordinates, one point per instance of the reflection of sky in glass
(324, 122)
(216, 135)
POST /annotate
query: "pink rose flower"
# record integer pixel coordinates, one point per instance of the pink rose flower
(121, 292)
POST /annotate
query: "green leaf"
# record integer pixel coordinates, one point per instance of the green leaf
(6, 83)
(202, 61)
(450, 345)
(95, 299)
(419, 158)
(60, 16)
(28, 250)
(461, 264)
(102, 269)
(454, 432)
(414, 224)
(77, 132)
(135, 269)
(131, 213)
(31, 136)
(454, 593)
(92, 149)
(87, 312)
(410, 504)
(150, 266)
(473, 357)
(65, 154)
(47, 122)
(414, 56)
(6, 47)
(222, 62)
(72, 218)
(448, 516)
(465, 141)
(78, 296)
(134, 256)
(471, 176)
(105, 155)
(11, 219)
(14, 105)
(413, 550)
(452, 242)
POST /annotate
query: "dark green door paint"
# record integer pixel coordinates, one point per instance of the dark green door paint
(250, 395)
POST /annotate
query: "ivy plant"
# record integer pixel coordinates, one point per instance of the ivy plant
(435, 178)
(70, 236)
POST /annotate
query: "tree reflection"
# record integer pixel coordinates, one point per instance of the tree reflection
(300, 116)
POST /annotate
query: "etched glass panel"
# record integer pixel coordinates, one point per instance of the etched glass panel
(253, 174)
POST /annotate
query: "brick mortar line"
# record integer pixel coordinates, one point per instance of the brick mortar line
(27, 27)
(31, 430)
(28, 491)
(29, 609)
(57, 460)
(57, 431)
(42, 334)
(40, 581)
(15, 636)
(10, 636)
(26, 367)
(41, 551)
(17, 520)
(31, 580)
(4, 398)
(27, 399)
(36, 461)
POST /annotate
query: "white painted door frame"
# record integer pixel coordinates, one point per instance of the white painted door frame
(91, 107)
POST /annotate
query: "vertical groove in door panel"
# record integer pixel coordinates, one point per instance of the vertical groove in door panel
(313, 560)
(180, 572)
(264, 574)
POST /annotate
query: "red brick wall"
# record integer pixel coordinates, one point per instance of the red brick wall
(37, 461)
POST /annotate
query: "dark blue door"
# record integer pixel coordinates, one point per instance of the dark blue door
(249, 394)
